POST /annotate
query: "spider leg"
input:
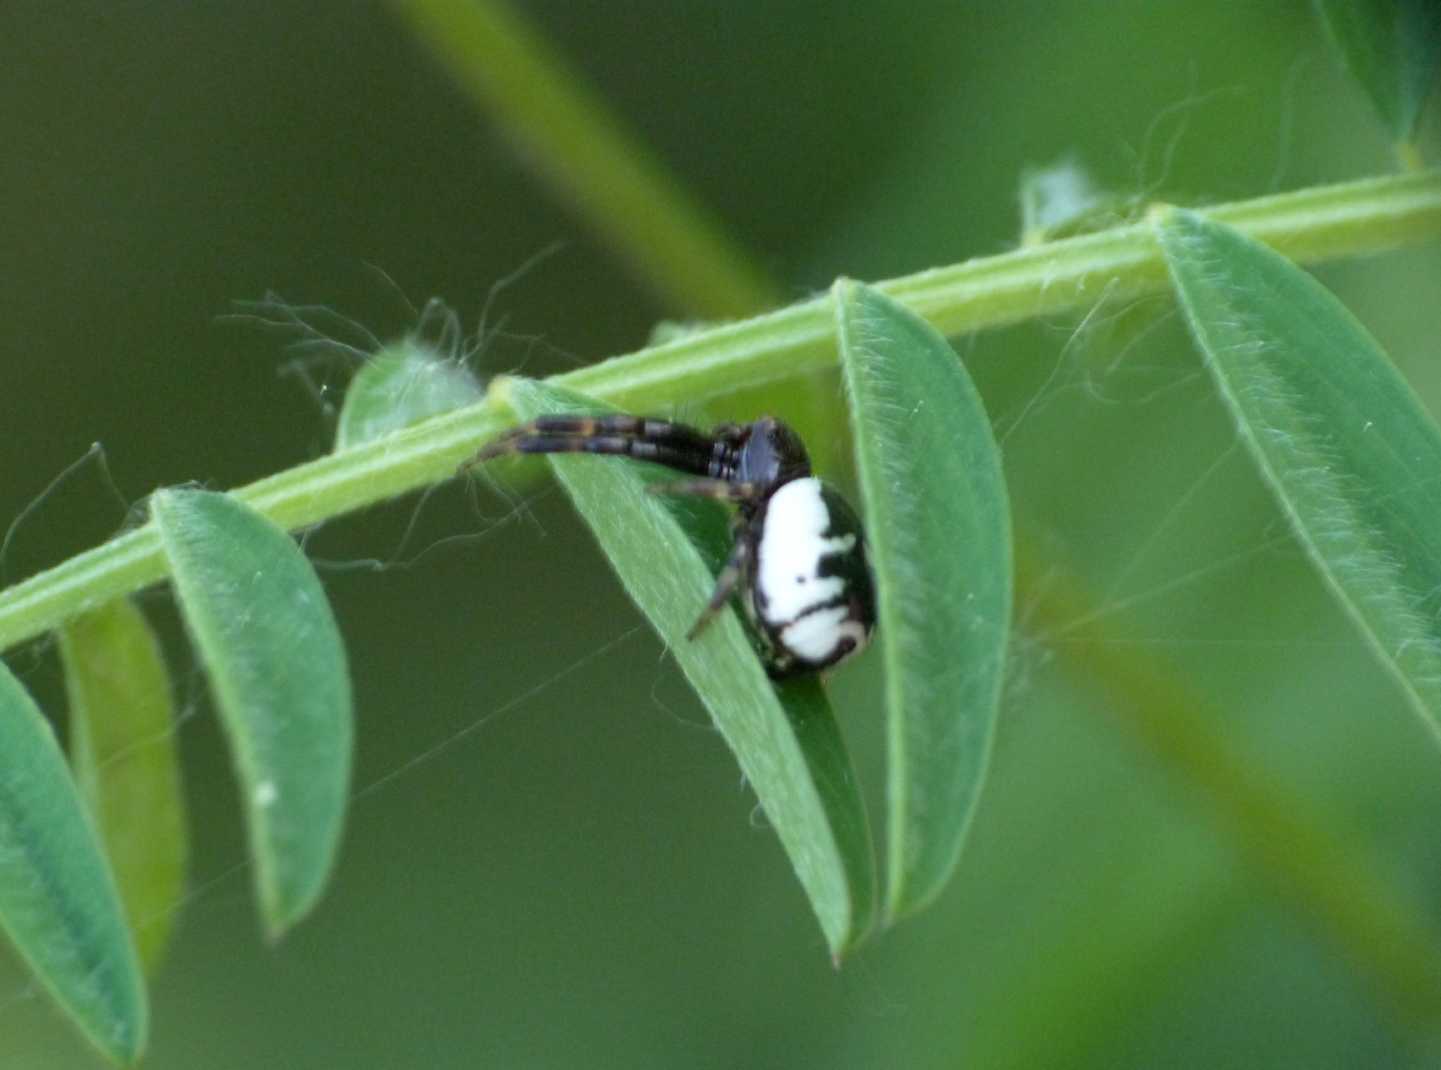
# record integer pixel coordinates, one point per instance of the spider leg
(725, 585)
(732, 434)
(720, 489)
(660, 441)
(666, 432)
(684, 460)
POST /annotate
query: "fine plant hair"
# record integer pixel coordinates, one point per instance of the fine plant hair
(974, 598)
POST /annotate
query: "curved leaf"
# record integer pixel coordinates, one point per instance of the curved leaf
(1392, 47)
(123, 750)
(399, 386)
(263, 628)
(666, 552)
(940, 534)
(58, 900)
(1345, 445)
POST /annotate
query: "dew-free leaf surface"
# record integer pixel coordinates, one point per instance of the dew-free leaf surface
(1343, 442)
(266, 635)
(58, 901)
(123, 751)
(399, 386)
(938, 521)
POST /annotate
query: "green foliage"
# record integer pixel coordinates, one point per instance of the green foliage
(58, 900)
(666, 551)
(1347, 450)
(124, 751)
(931, 478)
(399, 386)
(277, 667)
(940, 534)
(1343, 441)
(1323, 223)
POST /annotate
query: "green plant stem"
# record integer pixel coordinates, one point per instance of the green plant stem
(616, 187)
(589, 158)
(646, 217)
(1389, 941)
(1317, 224)
(1313, 225)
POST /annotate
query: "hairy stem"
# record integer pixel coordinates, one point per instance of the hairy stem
(1324, 223)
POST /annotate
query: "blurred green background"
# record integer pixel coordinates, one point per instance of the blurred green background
(552, 860)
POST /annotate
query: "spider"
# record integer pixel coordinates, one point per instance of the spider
(799, 556)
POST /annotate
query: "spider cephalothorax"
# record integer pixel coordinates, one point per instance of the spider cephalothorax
(799, 559)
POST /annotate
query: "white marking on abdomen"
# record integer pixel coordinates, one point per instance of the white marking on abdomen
(816, 636)
(792, 544)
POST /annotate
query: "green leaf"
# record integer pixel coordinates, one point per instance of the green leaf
(666, 551)
(58, 900)
(940, 536)
(1392, 48)
(399, 386)
(123, 750)
(268, 639)
(1343, 442)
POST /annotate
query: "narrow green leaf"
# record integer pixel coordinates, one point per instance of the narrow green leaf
(58, 900)
(666, 552)
(399, 386)
(1392, 47)
(940, 534)
(268, 639)
(1340, 437)
(123, 751)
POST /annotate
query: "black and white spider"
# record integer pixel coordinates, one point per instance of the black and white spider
(799, 559)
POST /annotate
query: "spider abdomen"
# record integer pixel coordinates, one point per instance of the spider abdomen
(798, 564)
(811, 593)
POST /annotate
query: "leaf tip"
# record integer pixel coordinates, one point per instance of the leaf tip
(854, 929)
(274, 929)
(287, 895)
(281, 911)
(901, 904)
(131, 1044)
(122, 1034)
